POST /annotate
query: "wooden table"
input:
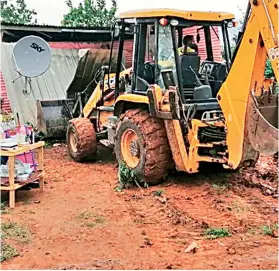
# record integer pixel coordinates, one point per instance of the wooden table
(12, 153)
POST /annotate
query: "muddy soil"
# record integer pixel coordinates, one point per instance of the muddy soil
(81, 222)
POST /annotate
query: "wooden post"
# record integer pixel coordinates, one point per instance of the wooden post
(41, 166)
(11, 165)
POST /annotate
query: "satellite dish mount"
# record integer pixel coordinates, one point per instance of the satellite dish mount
(27, 80)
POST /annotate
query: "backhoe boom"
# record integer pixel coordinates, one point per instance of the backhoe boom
(246, 76)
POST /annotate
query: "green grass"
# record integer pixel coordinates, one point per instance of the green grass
(212, 233)
(12, 230)
(91, 220)
(220, 188)
(139, 221)
(4, 209)
(7, 252)
(253, 230)
(3, 206)
(262, 230)
(48, 145)
(85, 215)
(158, 193)
(268, 230)
(239, 207)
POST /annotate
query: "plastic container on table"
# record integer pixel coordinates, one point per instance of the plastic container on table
(22, 135)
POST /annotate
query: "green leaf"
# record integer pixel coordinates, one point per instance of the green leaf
(212, 233)
(268, 70)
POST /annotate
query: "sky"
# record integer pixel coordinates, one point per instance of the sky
(51, 11)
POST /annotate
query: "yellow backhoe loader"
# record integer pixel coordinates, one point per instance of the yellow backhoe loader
(178, 111)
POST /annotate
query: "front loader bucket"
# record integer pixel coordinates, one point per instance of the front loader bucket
(53, 117)
(263, 123)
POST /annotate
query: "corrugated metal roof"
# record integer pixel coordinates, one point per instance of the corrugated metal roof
(5, 25)
(14, 32)
(51, 85)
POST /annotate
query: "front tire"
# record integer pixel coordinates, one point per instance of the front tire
(142, 145)
(81, 140)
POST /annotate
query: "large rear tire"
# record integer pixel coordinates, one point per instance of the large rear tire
(142, 145)
(81, 140)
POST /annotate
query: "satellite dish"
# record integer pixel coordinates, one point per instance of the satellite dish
(31, 56)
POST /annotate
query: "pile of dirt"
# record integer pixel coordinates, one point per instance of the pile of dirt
(264, 176)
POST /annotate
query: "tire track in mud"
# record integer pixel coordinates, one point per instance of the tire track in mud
(190, 209)
(148, 229)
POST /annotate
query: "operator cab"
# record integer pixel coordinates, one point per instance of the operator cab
(160, 55)
(204, 70)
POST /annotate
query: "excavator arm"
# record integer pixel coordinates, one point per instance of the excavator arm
(251, 112)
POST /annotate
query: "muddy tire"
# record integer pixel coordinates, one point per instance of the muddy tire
(81, 140)
(142, 144)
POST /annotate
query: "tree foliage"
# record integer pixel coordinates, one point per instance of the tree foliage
(90, 13)
(268, 70)
(17, 13)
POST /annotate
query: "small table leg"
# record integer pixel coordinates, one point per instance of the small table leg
(42, 184)
(41, 165)
(11, 165)
(12, 198)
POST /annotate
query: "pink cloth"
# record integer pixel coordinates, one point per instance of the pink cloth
(28, 158)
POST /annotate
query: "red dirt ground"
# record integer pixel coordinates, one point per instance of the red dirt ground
(80, 222)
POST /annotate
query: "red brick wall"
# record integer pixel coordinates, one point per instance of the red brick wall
(6, 103)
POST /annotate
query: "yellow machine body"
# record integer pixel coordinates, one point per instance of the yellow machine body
(250, 126)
